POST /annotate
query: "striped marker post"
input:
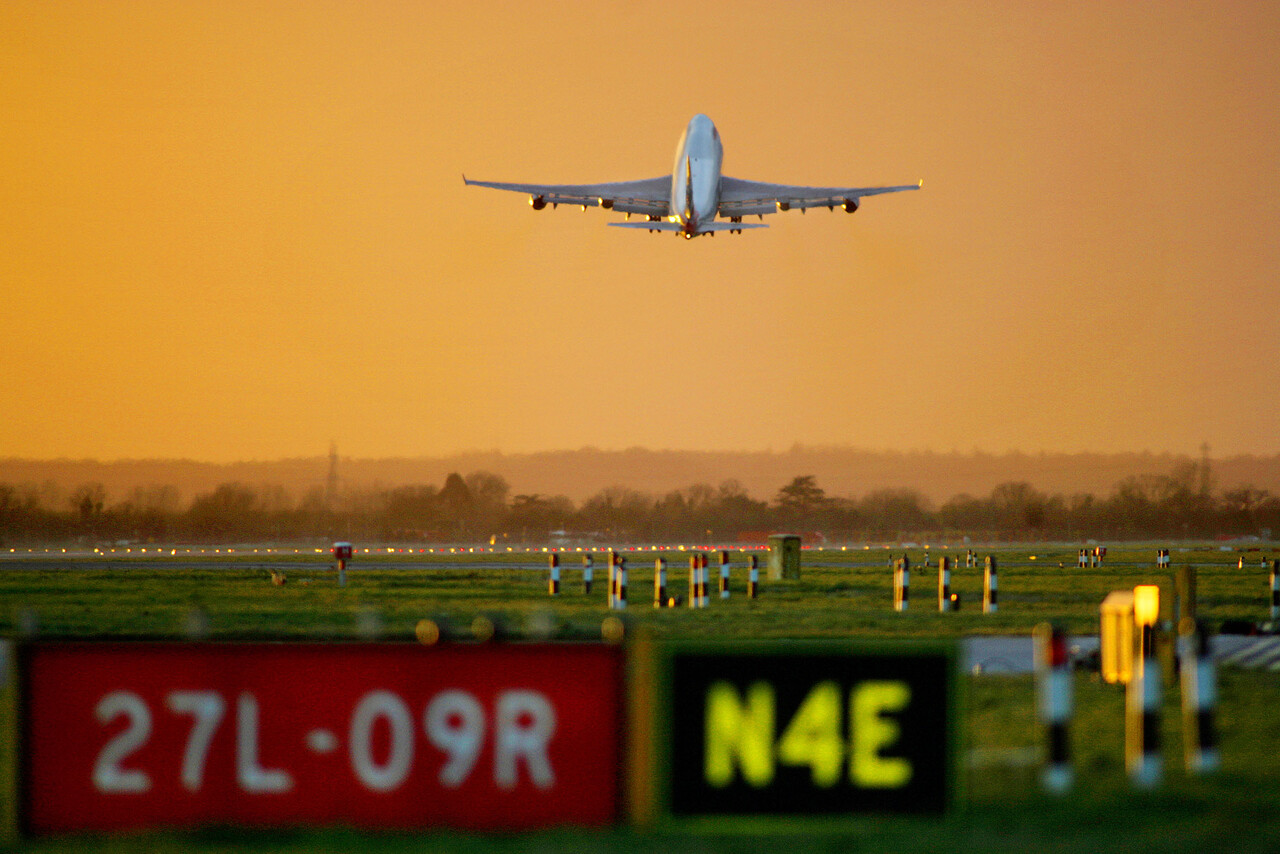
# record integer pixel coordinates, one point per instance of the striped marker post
(343, 551)
(588, 570)
(753, 577)
(659, 582)
(1053, 703)
(554, 586)
(1184, 590)
(1275, 590)
(944, 584)
(702, 580)
(1081, 560)
(901, 583)
(724, 575)
(1199, 698)
(621, 601)
(990, 586)
(693, 581)
(613, 579)
(1142, 717)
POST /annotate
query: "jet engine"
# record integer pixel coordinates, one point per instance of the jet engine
(851, 205)
(537, 202)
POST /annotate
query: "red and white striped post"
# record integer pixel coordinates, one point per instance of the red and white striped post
(1199, 698)
(613, 579)
(724, 575)
(753, 577)
(702, 579)
(554, 585)
(693, 581)
(343, 551)
(588, 570)
(659, 582)
(944, 584)
(990, 586)
(1053, 704)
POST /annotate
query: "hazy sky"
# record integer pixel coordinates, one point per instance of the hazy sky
(239, 230)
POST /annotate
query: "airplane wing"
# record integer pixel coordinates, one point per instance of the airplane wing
(650, 196)
(738, 197)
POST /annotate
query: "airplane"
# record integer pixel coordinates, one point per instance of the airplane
(689, 199)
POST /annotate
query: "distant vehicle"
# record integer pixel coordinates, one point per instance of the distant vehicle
(689, 199)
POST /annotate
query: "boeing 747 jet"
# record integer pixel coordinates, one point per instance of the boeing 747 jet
(689, 199)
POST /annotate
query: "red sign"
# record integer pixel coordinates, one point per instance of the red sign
(139, 735)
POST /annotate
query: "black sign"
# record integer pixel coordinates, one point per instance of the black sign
(810, 728)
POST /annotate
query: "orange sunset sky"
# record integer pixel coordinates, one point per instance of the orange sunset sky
(238, 230)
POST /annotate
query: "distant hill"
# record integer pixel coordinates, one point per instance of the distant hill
(845, 472)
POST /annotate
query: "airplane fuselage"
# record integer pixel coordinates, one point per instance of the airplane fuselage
(695, 178)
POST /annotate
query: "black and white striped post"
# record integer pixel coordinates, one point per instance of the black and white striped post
(588, 570)
(1081, 560)
(621, 601)
(970, 559)
(553, 587)
(753, 577)
(615, 562)
(990, 586)
(1142, 706)
(724, 575)
(612, 580)
(1054, 706)
(693, 581)
(901, 583)
(944, 584)
(1184, 593)
(659, 582)
(1199, 698)
(702, 579)
(1275, 589)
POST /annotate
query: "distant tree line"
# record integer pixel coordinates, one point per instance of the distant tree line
(479, 509)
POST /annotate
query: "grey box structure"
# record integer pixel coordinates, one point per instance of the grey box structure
(784, 556)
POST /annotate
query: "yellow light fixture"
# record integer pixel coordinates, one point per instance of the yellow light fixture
(1146, 604)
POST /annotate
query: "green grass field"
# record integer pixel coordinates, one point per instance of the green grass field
(841, 594)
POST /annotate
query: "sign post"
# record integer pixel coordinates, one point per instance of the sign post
(790, 729)
(123, 736)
